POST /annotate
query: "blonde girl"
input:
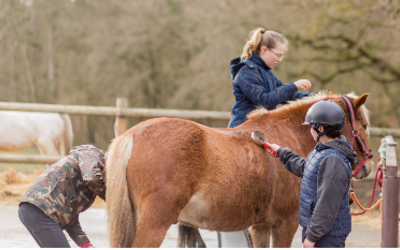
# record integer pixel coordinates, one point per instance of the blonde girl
(254, 84)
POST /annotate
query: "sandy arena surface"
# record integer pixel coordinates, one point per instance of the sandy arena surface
(94, 223)
(13, 185)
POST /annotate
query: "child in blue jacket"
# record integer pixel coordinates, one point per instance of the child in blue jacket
(324, 210)
(254, 84)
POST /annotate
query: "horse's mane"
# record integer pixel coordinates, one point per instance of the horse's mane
(291, 106)
(297, 106)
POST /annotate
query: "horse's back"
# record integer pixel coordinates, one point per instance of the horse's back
(167, 141)
(182, 143)
(28, 120)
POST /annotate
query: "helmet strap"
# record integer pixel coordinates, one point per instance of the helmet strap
(319, 133)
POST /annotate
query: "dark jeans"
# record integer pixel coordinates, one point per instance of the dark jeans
(327, 240)
(44, 230)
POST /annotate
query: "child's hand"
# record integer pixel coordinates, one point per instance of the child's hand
(272, 151)
(274, 147)
(308, 244)
(261, 140)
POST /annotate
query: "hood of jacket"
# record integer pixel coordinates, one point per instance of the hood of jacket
(344, 146)
(236, 64)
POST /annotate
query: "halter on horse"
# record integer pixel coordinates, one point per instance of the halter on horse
(356, 135)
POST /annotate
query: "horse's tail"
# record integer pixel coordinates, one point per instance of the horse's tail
(121, 217)
(67, 140)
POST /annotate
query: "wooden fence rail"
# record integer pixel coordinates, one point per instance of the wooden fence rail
(123, 111)
(381, 132)
(115, 111)
(31, 159)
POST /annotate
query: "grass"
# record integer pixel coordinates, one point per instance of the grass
(23, 167)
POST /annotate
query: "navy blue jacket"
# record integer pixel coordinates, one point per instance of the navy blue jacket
(324, 197)
(255, 85)
(309, 193)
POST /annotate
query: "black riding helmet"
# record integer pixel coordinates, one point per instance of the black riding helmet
(326, 113)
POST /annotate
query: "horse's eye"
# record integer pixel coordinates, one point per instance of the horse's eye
(365, 126)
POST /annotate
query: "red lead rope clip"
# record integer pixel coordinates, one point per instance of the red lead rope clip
(270, 149)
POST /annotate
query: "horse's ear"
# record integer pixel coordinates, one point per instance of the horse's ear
(361, 100)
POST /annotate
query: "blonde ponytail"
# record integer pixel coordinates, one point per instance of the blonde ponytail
(260, 37)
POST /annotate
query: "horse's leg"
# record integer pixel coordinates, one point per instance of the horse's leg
(149, 235)
(47, 147)
(155, 218)
(260, 235)
(67, 138)
(283, 232)
(182, 232)
(200, 242)
(189, 237)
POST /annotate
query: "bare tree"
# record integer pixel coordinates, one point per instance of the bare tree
(176, 53)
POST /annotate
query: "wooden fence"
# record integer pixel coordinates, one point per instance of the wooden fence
(122, 112)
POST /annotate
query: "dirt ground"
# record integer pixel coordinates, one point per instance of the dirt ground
(13, 186)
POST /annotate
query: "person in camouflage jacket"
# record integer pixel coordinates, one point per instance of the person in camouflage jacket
(65, 189)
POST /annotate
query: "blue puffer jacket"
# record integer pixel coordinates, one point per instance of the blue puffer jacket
(255, 85)
(308, 193)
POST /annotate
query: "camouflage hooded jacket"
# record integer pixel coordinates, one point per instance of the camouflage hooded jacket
(69, 187)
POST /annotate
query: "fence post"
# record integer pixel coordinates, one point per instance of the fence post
(390, 198)
(121, 122)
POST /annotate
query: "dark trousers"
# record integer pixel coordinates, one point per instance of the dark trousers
(44, 230)
(327, 240)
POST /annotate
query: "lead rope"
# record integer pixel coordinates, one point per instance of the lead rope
(378, 178)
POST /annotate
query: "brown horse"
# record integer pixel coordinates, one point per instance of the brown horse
(165, 170)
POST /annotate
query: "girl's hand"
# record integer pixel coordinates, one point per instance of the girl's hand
(304, 84)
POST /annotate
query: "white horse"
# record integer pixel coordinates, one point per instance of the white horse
(19, 130)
